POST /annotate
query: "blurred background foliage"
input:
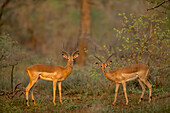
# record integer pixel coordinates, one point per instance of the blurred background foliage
(33, 31)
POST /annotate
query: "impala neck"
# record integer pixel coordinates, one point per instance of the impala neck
(68, 69)
(107, 73)
(69, 64)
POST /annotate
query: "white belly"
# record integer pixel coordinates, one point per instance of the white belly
(47, 76)
(129, 77)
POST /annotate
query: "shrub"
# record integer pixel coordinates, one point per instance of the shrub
(144, 39)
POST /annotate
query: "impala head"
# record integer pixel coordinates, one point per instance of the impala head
(105, 64)
(69, 57)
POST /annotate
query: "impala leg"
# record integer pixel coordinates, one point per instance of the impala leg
(124, 89)
(150, 89)
(33, 100)
(27, 91)
(54, 91)
(59, 89)
(116, 90)
(32, 88)
(143, 90)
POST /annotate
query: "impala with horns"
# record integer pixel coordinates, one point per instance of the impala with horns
(124, 74)
(51, 73)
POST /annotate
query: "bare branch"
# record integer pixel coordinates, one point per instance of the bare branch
(158, 5)
(2, 7)
(17, 86)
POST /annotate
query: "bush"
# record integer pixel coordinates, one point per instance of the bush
(144, 39)
(9, 51)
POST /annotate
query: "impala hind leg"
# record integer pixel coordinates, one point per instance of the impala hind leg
(150, 89)
(116, 90)
(59, 89)
(143, 90)
(32, 89)
(27, 91)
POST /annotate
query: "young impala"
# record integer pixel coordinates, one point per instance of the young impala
(50, 72)
(124, 74)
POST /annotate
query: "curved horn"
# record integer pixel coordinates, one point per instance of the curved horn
(64, 51)
(97, 57)
(77, 50)
(109, 57)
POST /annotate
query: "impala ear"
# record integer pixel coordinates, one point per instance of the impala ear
(109, 62)
(98, 63)
(65, 56)
(76, 55)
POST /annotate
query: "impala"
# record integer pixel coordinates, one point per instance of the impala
(51, 73)
(124, 74)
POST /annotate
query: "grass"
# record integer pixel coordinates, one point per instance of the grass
(87, 103)
(87, 92)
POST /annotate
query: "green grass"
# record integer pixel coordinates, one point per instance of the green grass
(86, 91)
(87, 103)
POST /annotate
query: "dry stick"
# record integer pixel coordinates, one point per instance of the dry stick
(5, 3)
(22, 93)
(3, 92)
(15, 93)
(12, 94)
(17, 86)
(158, 5)
(12, 77)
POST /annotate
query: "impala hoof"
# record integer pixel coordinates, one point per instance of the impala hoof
(54, 103)
(34, 102)
(150, 99)
(28, 105)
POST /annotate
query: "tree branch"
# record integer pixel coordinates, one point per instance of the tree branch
(2, 7)
(158, 5)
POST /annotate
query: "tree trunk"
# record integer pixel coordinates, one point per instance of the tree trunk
(84, 31)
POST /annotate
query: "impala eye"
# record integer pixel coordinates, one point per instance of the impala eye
(101, 66)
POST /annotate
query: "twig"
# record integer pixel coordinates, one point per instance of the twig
(12, 94)
(2, 7)
(17, 86)
(158, 5)
(22, 93)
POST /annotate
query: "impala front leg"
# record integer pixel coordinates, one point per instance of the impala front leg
(124, 89)
(59, 89)
(54, 90)
(116, 90)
